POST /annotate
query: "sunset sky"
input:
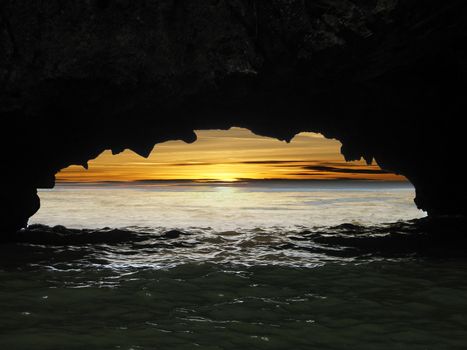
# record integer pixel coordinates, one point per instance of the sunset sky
(229, 155)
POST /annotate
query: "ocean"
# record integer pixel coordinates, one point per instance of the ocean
(252, 265)
(221, 206)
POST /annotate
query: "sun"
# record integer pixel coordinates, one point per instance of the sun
(226, 177)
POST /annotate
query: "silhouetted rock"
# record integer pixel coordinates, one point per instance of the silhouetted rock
(386, 78)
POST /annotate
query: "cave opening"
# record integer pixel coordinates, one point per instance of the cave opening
(228, 179)
(216, 246)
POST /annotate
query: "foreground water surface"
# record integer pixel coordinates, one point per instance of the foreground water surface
(229, 267)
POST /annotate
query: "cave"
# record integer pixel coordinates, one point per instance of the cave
(385, 78)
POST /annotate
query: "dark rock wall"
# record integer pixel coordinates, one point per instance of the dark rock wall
(385, 77)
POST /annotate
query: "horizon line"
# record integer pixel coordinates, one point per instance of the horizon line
(235, 181)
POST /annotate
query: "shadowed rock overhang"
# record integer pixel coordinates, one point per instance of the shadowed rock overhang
(385, 77)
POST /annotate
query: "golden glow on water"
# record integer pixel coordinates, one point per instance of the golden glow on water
(230, 155)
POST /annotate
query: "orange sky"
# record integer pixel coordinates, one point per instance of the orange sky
(228, 156)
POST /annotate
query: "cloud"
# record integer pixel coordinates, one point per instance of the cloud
(326, 176)
(272, 162)
(330, 169)
(191, 163)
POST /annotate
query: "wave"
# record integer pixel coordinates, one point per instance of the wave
(429, 237)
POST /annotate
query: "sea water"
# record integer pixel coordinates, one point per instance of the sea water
(230, 266)
(227, 206)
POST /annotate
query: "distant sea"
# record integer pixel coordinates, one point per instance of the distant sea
(222, 206)
(245, 265)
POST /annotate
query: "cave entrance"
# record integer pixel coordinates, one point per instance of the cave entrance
(228, 179)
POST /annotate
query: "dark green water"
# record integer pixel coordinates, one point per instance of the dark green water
(228, 290)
